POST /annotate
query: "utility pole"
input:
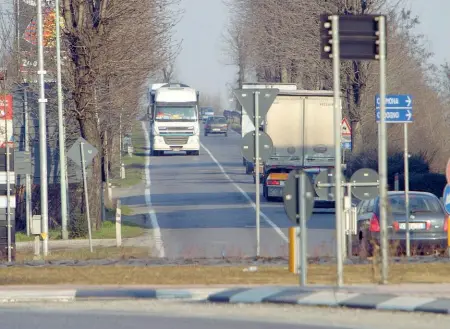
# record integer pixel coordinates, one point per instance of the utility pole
(42, 130)
(61, 135)
(27, 149)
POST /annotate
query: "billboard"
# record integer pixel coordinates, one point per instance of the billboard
(28, 42)
(6, 120)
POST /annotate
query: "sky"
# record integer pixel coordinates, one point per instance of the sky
(201, 62)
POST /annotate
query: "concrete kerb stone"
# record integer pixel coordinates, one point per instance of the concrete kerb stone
(314, 296)
(332, 298)
(68, 295)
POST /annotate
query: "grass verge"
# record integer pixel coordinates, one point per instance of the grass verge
(108, 231)
(209, 275)
(83, 254)
(134, 165)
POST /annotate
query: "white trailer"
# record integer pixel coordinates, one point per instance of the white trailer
(300, 124)
(247, 124)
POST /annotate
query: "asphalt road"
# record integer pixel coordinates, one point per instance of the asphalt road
(124, 314)
(59, 319)
(203, 206)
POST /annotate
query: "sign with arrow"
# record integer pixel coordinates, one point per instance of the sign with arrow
(398, 108)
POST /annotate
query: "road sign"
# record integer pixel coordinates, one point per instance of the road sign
(396, 116)
(346, 130)
(326, 177)
(398, 108)
(358, 36)
(362, 176)
(248, 146)
(89, 152)
(347, 145)
(446, 197)
(22, 162)
(246, 98)
(291, 197)
(395, 101)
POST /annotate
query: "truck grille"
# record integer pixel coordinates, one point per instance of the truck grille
(176, 140)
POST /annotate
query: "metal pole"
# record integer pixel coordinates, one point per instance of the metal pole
(18, 36)
(61, 136)
(257, 173)
(8, 182)
(27, 176)
(337, 146)
(86, 196)
(406, 156)
(302, 202)
(42, 131)
(382, 165)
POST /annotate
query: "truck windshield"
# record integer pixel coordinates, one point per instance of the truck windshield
(175, 113)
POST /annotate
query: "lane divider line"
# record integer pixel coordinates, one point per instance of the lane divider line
(157, 236)
(250, 201)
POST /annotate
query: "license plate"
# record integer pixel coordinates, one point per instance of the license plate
(412, 226)
(215, 129)
(176, 149)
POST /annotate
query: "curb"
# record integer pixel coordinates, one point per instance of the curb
(68, 295)
(330, 298)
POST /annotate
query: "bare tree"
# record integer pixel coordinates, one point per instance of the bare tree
(283, 46)
(112, 47)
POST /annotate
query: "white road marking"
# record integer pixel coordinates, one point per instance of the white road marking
(154, 220)
(264, 216)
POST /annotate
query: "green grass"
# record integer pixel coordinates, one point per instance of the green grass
(134, 165)
(108, 231)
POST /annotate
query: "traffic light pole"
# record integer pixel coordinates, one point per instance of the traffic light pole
(382, 165)
(337, 146)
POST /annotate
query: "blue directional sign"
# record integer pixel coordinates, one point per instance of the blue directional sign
(398, 108)
(347, 145)
(446, 198)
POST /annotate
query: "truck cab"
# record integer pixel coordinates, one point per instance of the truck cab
(173, 113)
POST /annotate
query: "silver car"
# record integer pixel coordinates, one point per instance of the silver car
(428, 224)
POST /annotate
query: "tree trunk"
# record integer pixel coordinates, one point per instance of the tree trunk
(357, 138)
(89, 131)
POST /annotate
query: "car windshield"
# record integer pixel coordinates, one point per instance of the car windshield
(218, 120)
(175, 113)
(417, 203)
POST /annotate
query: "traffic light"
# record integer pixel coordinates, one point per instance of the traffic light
(359, 37)
(326, 37)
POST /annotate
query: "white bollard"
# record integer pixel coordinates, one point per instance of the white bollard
(118, 225)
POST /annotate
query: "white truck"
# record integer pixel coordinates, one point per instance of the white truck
(248, 123)
(300, 124)
(173, 112)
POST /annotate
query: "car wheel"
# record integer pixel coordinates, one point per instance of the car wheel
(197, 153)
